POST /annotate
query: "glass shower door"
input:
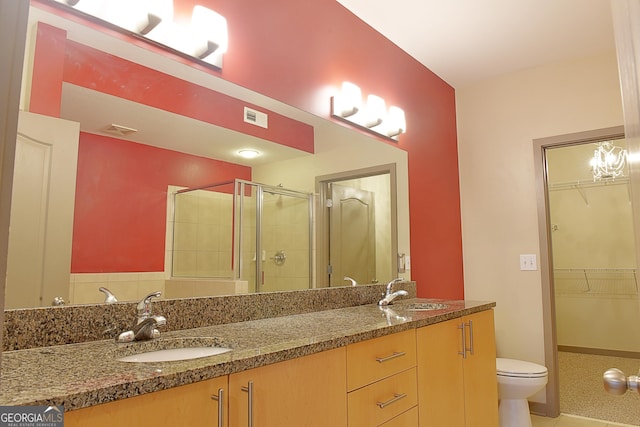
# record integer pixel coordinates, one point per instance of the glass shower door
(274, 235)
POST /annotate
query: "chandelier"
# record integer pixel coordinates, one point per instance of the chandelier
(608, 161)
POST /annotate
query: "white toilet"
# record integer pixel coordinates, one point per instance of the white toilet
(517, 381)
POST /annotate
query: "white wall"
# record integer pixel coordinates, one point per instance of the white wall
(497, 121)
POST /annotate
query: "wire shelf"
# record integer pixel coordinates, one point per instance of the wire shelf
(610, 281)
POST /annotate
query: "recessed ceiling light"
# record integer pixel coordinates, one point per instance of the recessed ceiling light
(249, 154)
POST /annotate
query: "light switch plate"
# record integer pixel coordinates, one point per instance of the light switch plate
(528, 262)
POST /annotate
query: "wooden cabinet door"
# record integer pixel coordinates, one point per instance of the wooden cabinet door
(308, 391)
(188, 405)
(454, 391)
(480, 380)
(440, 375)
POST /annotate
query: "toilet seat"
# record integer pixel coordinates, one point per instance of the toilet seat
(519, 369)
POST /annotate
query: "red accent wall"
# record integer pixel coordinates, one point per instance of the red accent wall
(137, 83)
(121, 197)
(46, 84)
(299, 52)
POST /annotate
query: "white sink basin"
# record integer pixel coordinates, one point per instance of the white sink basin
(174, 354)
(425, 306)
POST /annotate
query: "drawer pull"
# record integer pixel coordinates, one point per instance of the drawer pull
(396, 397)
(249, 390)
(220, 398)
(393, 356)
(471, 337)
(463, 353)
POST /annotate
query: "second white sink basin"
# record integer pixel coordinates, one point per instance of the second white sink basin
(174, 354)
(425, 306)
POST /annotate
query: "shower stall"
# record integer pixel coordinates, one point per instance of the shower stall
(243, 232)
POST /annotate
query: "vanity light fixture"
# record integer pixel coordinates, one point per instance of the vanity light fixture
(396, 121)
(205, 38)
(608, 161)
(248, 153)
(348, 102)
(374, 111)
(373, 116)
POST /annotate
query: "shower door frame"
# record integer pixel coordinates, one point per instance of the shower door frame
(238, 261)
(540, 146)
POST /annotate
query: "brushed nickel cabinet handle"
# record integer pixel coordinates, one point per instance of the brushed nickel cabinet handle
(463, 353)
(393, 356)
(471, 337)
(396, 397)
(249, 389)
(220, 398)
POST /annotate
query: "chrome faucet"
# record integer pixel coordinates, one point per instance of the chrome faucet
(390, 295)
(351, 280)
(144, 307)
(145, 325)
(109, 297)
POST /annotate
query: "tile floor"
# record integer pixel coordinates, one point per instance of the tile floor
(571, 421)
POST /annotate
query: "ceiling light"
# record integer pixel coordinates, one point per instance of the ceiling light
(248, 154)
(119, 130)
(608, 161)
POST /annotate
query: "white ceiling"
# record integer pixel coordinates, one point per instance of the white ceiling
(466, 41)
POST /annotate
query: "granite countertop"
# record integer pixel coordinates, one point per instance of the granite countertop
(86, 374)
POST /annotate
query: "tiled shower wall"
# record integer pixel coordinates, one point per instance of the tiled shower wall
(203, 235)
(83, 287)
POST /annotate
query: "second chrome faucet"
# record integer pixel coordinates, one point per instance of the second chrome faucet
(390, 295)
(145, 325)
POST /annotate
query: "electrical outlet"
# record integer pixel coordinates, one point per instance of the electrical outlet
(528, 262)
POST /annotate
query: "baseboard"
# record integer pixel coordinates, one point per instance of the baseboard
(537, 408)
(600, 351)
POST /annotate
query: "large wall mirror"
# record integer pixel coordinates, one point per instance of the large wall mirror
(125, 196)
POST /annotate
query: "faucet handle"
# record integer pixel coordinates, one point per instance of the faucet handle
(144, 306)
(393, 282)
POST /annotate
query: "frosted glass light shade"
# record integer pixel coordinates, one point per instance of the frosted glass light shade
(396, 122)
(208, 25)
(206, 38)
(349, 101)
(374, 111)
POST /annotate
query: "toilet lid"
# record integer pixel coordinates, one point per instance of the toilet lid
(519, 368)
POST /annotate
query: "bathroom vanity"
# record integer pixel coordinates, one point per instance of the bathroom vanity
(348, 366)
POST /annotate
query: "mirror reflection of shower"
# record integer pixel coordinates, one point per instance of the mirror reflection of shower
(228, 234)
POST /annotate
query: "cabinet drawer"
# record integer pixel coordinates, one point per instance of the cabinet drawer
(381, 401)
(372, 360)
(409, 418)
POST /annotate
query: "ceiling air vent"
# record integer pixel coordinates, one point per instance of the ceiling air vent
(256, 117)
(119, 130)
